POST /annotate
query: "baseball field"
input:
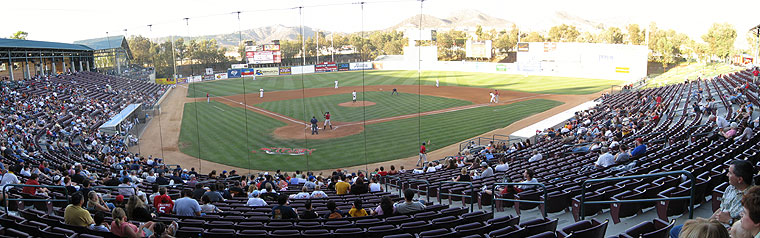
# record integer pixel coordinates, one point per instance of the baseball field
(240, 129)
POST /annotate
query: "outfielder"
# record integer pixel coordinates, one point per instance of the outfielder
(327, 120)
(261, 93)
(423, 155)
(208, 100)
(436, 83)
(336, 84)
(314, 127)
(353, 94)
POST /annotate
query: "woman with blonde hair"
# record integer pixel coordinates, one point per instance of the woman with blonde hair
(123, 228)
(463, 177)
(136, 210)
(96, 203)
(703, 228)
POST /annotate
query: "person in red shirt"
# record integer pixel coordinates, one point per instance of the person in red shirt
(382, 171)
(757, 74)
(327, 121)
(33, 190)
(496, 92)
(658, 100)
(165, 205)
(157, 200)
(423, 155)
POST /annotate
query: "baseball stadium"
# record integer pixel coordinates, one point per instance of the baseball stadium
(379, 119)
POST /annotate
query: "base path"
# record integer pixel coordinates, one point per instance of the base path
(172, 108)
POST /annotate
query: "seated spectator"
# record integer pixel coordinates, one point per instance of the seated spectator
(269, 193)
(127, 189)
(214, 194)
(164, 204)
(747, 133)
(463, 176)
(382, 171)
(430, 168)
(34, 190)
(357, 210)
(137, 210)
(74, 214)
(700, 227)
(605, 159)
(96, 203)
(334, 213)
(311, 183)
(385, 208)
(207, 207)
(282, 210)
(502, 166)
(304, 194)
(730, 133)
(162, 191)
(536, 156)
(318, 193)
(187, 206)
(100, 224)
(374, 186)
(309, 212)
(359, 187)
(749, 225)
(123, 228)
(622, 156)
(393, 170)
(409, 205)
(640, 149)
(254, 200)
(487, 170)
(341, 188)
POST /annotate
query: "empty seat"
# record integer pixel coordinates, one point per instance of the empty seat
(348, 232)
(508, 232)
(471, 229)
(414, 227)
(585, 229)
(539, 226)
(219, 233)
(441, 232)
(189, 231)
(316, 233)
(284, 233)
(650, 229)
(252, 234)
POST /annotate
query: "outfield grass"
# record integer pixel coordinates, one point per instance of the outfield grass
(522, 83)
(222, 136)
(386, 106)
(691, 71)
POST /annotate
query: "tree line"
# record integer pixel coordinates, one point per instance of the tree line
(666, 45)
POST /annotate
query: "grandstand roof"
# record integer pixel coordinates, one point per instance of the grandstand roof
(103, 42)
(33, 44)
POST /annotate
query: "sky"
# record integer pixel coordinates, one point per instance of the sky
(68, 21)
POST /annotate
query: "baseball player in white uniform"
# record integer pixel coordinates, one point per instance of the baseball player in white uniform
(353, 94)
(336, 83)
(261, 93)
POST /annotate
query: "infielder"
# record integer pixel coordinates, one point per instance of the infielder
(394, 91)
(353, 94)
(436, 83)
(314, 127)
(423, 155)
(497, 95)
(493, 97)
(327, 120)
(336, 84)
(261, 93)
(208, 100)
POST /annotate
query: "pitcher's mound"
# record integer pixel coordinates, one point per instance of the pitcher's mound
(357, 104)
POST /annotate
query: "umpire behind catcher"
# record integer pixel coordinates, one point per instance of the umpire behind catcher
(314, 127)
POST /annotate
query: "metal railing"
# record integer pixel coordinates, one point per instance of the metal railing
(392, 178)
(679, 172)
(7, 199)
(472, 190)
(427, 187)
(479, 141)
(493, 137)
(543, 201)
(116, 187)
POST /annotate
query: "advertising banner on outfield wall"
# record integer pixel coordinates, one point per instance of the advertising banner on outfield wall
(284, 70)
(247, 73)
(165, 81)
(360, 66)
(267, 71)
(220, 76)
(326, 67)
(181, 80)
(239, 66)
(344, 66)
(234, 73)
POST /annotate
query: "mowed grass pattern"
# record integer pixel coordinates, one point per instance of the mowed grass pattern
(221, 137)
(386, 106)
(522, 83)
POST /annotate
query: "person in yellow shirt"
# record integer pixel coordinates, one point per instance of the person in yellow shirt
(341, 188)
(357, 210)
(74, 214)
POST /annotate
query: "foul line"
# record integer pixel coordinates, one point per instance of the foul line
(262, 110)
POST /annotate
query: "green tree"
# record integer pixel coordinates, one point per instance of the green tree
(612, 35)
(720, 39)
(563, 33)
(141, 50)
(479, 32)
(635, 35)
(666, 45)
(533, 37)
(752, 40)
(21, 35)
(507, 40)
(588, 37)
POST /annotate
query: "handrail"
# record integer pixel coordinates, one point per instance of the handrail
(389, 178)
(493, 137)
(543, 188)
(116, 187)
(5, 194)
(663, 174)
(472, 190)
(427, 187)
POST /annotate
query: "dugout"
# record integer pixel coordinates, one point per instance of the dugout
(28, 58)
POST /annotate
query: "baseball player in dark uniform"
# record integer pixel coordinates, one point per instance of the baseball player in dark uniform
(314, 127)
(394, 91)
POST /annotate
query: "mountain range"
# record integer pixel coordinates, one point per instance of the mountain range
(466, 19)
